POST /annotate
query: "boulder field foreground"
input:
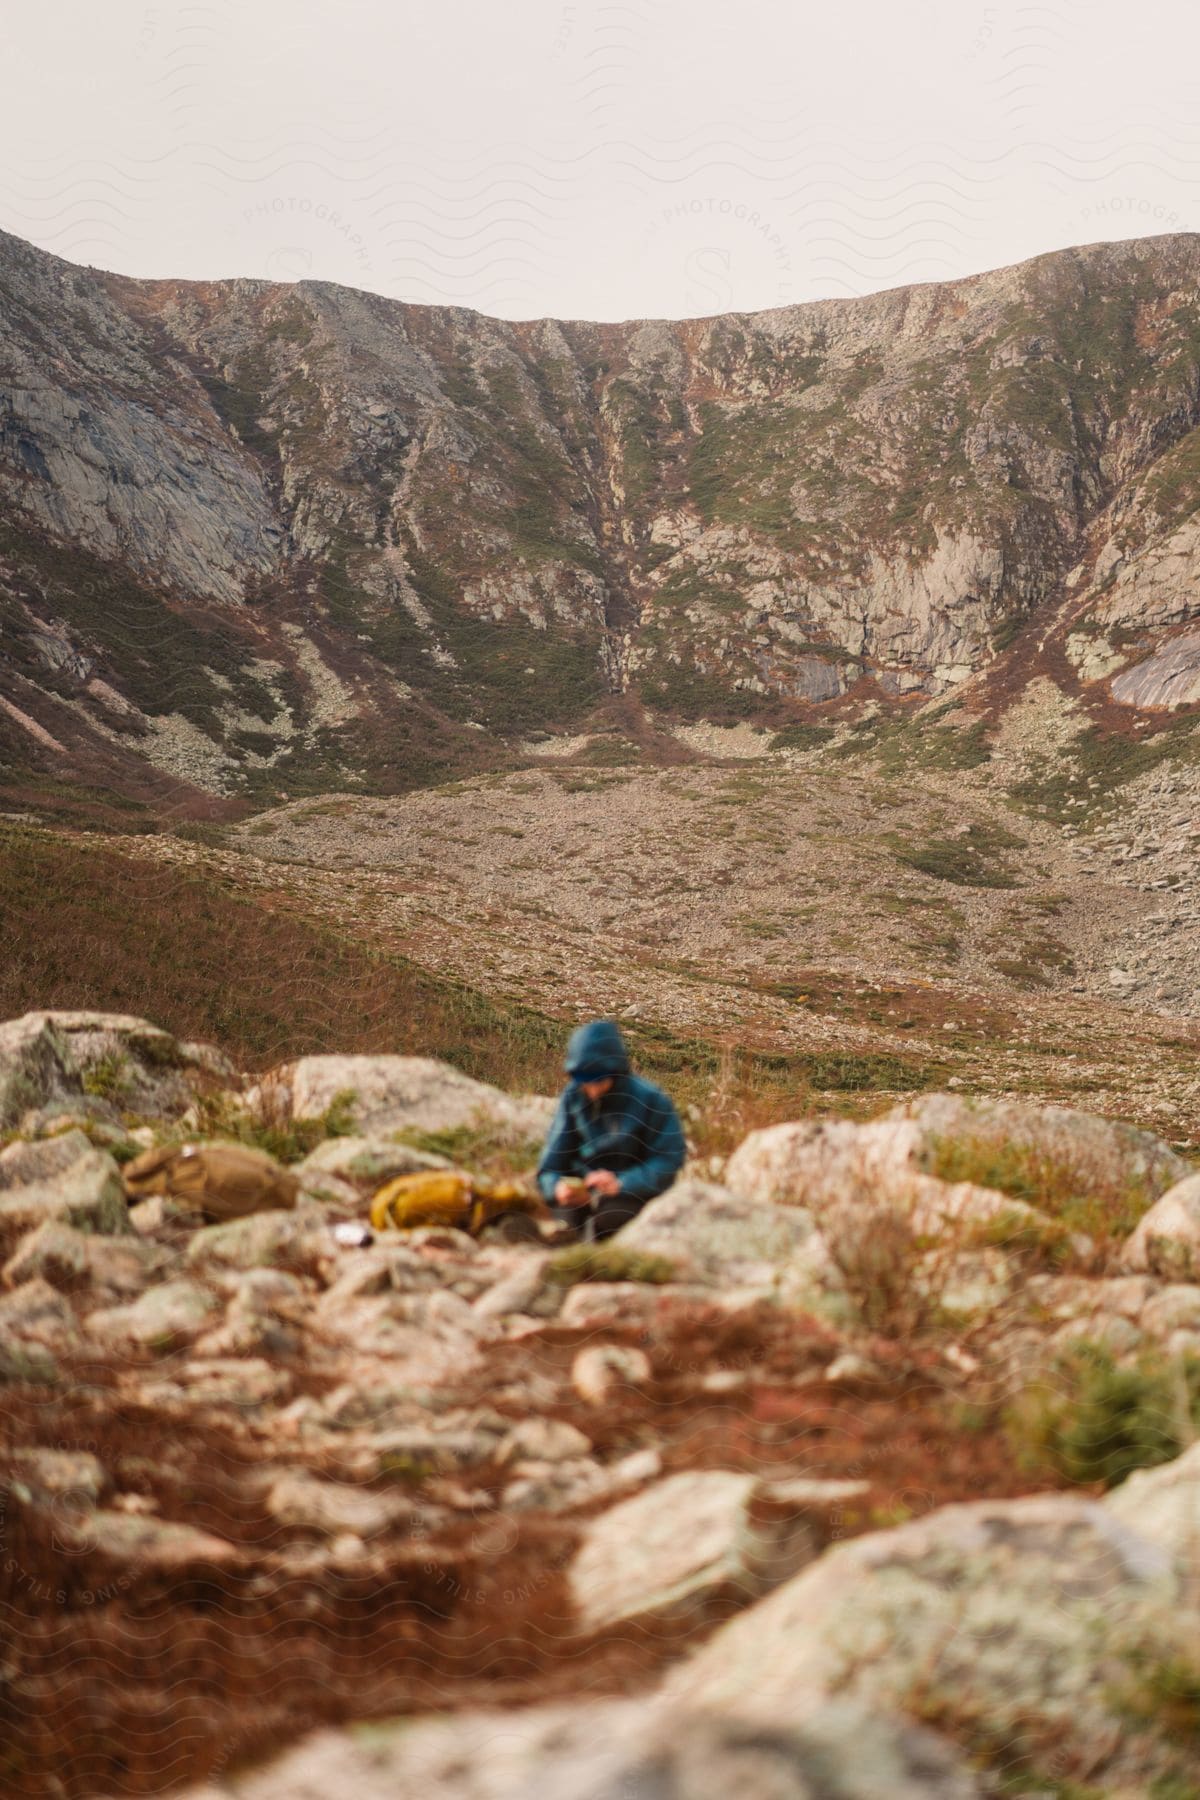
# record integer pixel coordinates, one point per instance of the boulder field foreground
(861, 1464)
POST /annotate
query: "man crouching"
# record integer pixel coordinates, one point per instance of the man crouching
(616, 1140)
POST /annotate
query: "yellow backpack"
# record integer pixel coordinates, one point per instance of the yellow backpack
(449, 1197)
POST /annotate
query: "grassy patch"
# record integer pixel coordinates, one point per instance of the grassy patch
(801, 737)
(485, 1149)
(972, 860)
(160, 660)
(1087, 775)
(1094, 1421)
(85, 926)
(108, 1078)
(608, 1262)
(1163, 1691)
(287, 1143)
(1079, 1195)
(1039, 1241)
(901, 743)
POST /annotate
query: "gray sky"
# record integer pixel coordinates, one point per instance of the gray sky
(638, 158)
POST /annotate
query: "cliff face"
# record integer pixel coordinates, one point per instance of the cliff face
(262, 535)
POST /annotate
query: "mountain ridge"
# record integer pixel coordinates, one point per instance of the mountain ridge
(377, 541)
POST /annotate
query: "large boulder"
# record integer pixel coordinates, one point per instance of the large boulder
(381, 1094)
(948, 1161)
(1099, 1156)
(1019, 1623)
(49, 1057)
(713, 1234)
(1167, 1238)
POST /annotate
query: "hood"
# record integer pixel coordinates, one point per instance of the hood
(596, 1050)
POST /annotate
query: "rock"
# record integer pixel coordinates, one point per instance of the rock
(819, 1164)
(153, 1216)
(519, 1290)
(965, 1284)
(71, 1472)
(147, 1543)
(247, 1382)
(138, 1066)
(24, 1363)
(1008, 1616)
(1163, 1505)
(600, 1372)
(1121, 1337)
(856, 1370)
(71, 1259)
(341, 1197)
(98, 1119)
(87, 1194)
(259, 1320)
(299, 1241)
(22, 1163)
(717, 1235)
(413, 1452)
(408, 1093)
(542, 1440)
(559, 1487)
(810, 1494)
(596, 1305)
(613, 1750)
(1167, 1239)
(366, 1161)
(162, 1319)
(38, 1312)
(1171, 677)
(671, 1551)
(1173, 1308)
(331, 1507)
(36, 1066)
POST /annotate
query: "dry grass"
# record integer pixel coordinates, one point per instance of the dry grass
(1081, 1194)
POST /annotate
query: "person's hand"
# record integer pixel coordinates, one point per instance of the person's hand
(569, 1191)
(603, 1182)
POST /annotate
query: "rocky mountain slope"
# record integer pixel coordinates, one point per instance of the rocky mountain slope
(263, 537)
(857, 1465)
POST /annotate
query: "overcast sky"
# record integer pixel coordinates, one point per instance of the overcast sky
(638, 158)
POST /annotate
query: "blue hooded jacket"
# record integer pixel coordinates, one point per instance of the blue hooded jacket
(633, 1130)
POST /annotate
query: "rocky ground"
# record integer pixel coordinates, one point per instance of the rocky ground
(852, 899)
(735, 1506)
